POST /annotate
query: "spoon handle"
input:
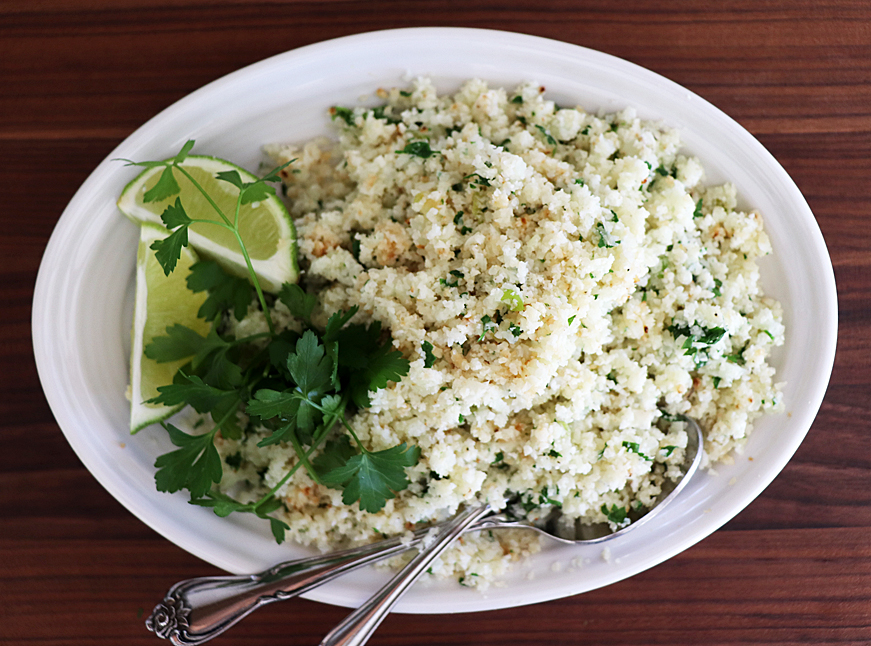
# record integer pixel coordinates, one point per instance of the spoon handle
(357, 628)
(196, 610)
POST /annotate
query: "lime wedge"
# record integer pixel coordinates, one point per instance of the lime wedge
(265, 227)
(160, 301)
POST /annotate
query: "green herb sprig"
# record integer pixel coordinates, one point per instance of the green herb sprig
(301, 387)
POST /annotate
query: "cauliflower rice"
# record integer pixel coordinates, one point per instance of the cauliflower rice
(579, 288)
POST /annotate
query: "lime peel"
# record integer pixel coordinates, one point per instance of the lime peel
(160, 301)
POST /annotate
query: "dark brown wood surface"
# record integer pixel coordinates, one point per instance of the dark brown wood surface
(78, 76)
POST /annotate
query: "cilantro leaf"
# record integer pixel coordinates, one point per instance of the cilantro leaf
(165, 187)
(179, 343)
(194, 466)
(280, 348)
(194, 391)
(231, 176)
(337, 321)
(183, 153)
(278, 528)
(274, 174)
(210, 354)
(174, 215)
(335, 455)
(268, 403)
(372, 478)
(256, 191)
(385, 365)
(300, 304)
(225, 291)
(357, 343)
(309, 367)
(283, 434)
(168, 250)
(222, 504)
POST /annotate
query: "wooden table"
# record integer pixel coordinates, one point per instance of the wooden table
(79, 76)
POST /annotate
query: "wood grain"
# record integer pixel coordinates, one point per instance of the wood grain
(78, 76)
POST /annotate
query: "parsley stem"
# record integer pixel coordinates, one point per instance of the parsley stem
(205, 195)
(255, 281)
(254, 337)
(287, 476)
(234, 227)
(223, 420)
(353, 434)
(303, 457)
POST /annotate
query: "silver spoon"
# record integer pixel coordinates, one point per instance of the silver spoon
(196, 610)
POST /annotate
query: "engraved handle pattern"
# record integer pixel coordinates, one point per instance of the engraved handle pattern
(196, 610)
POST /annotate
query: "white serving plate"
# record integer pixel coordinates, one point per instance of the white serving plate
(83, 299)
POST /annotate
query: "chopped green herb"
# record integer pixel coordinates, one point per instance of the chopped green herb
(515, 330)
(379, 113)
(616, 515)
(636, 449)
(419, 149)
(770, 335)
(345, 114)
(716, 382)
(586, 130)
(458, 220)
(404, 93)
(554, 454)
(429, 357)
(499, 458)
(457, 274)
(481, 181)
(579, 181)
(614, 217)
(697, 213)
(695, 345)
(736, 358)
(518, 99)
(487, 324)
(461, 420)
(355, 248)
(605, 238)
(457, 187)
(547, 137)
(668, 450)
(572, 318)
(601, 453)
(668, 417)
(717, 284)
(300, 387)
